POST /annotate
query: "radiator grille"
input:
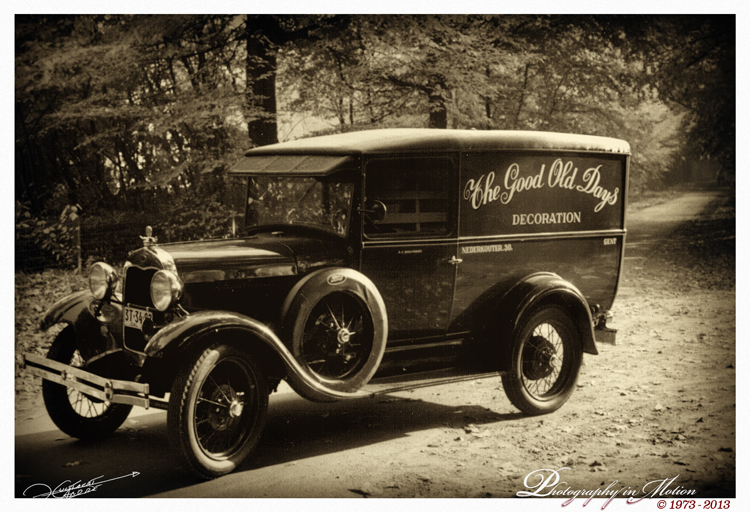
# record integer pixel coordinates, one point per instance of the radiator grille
(137, 286)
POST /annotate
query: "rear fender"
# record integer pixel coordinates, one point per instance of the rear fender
(199, 329)
(532, 292)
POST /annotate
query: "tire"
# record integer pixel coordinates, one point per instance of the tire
(75, 413)
(335, 323)
(217, 410)
(546, 360)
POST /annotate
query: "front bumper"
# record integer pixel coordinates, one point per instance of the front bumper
(110, 390)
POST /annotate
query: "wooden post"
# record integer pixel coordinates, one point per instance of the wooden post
(78, 242)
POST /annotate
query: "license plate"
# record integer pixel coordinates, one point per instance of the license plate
(134, 317)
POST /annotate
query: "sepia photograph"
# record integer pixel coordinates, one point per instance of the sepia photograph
(377, 256)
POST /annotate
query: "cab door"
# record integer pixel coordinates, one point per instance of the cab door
(409, 241)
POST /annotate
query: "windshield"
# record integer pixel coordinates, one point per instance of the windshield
(300, 200)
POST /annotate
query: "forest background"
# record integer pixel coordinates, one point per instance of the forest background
(123, 121)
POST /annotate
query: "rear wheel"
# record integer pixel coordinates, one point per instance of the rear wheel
(547, 357)
(217, 410)
(75, 413)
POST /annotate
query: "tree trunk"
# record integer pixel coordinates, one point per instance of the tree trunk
(438, 109)
(261, 80)
(521, 99)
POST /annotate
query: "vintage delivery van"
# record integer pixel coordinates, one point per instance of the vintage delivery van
(368, 260)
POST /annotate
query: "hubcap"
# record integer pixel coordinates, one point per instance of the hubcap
(337, 337)
(343, 336)
(228, 406)
(235, 409)
(539, 359)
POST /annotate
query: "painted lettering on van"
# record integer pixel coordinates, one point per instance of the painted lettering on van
(523, 219)
(483, 191)
(515, 184)
(591, 177)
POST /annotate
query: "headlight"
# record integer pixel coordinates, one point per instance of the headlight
(166, 289)
(102, 279)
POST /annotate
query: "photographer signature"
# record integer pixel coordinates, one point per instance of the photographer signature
(72, 490)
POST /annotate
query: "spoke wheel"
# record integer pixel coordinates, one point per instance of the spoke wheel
(335, 323)
(75, 413)
(338, 336)
(217, 410)
(547, 358)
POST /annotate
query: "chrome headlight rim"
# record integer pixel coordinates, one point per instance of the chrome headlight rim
(102, 280)
(166, 289)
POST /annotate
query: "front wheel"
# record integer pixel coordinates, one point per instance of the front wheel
(75, 413)
(547, 357)
(217, 410)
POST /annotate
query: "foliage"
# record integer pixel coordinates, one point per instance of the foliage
(110, 236)
(194, 220)
(143, 114)
(114, 104)
(386, 66)
(580, 74)
(691, 64)
(55, 238)
(487, 72)
(34, 293)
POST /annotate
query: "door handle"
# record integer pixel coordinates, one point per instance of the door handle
(454, 260)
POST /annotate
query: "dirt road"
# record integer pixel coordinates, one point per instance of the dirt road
(659, 406)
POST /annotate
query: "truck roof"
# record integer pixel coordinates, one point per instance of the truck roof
(328, 153)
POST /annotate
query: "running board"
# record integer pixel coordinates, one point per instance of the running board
(409, 381)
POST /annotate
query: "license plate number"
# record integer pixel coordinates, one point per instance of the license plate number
(135, 317)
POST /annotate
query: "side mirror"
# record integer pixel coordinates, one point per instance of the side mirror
(375, 210)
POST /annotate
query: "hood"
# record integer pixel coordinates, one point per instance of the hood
(262, 255)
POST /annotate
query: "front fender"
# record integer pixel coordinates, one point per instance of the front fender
(94, 335)
(67, 309)
(190, 329)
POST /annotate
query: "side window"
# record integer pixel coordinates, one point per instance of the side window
(407, 197)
